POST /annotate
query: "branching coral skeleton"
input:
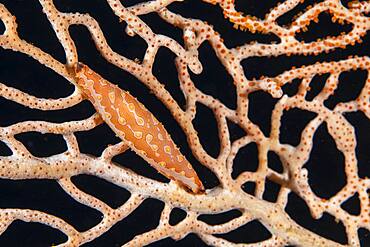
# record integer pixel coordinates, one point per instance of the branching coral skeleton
(228, 195)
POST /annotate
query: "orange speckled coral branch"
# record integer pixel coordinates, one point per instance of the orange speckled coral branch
(137, 126)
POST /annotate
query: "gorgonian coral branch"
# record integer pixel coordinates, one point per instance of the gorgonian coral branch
(21, 164)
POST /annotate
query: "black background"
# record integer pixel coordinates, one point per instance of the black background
(326, 173)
